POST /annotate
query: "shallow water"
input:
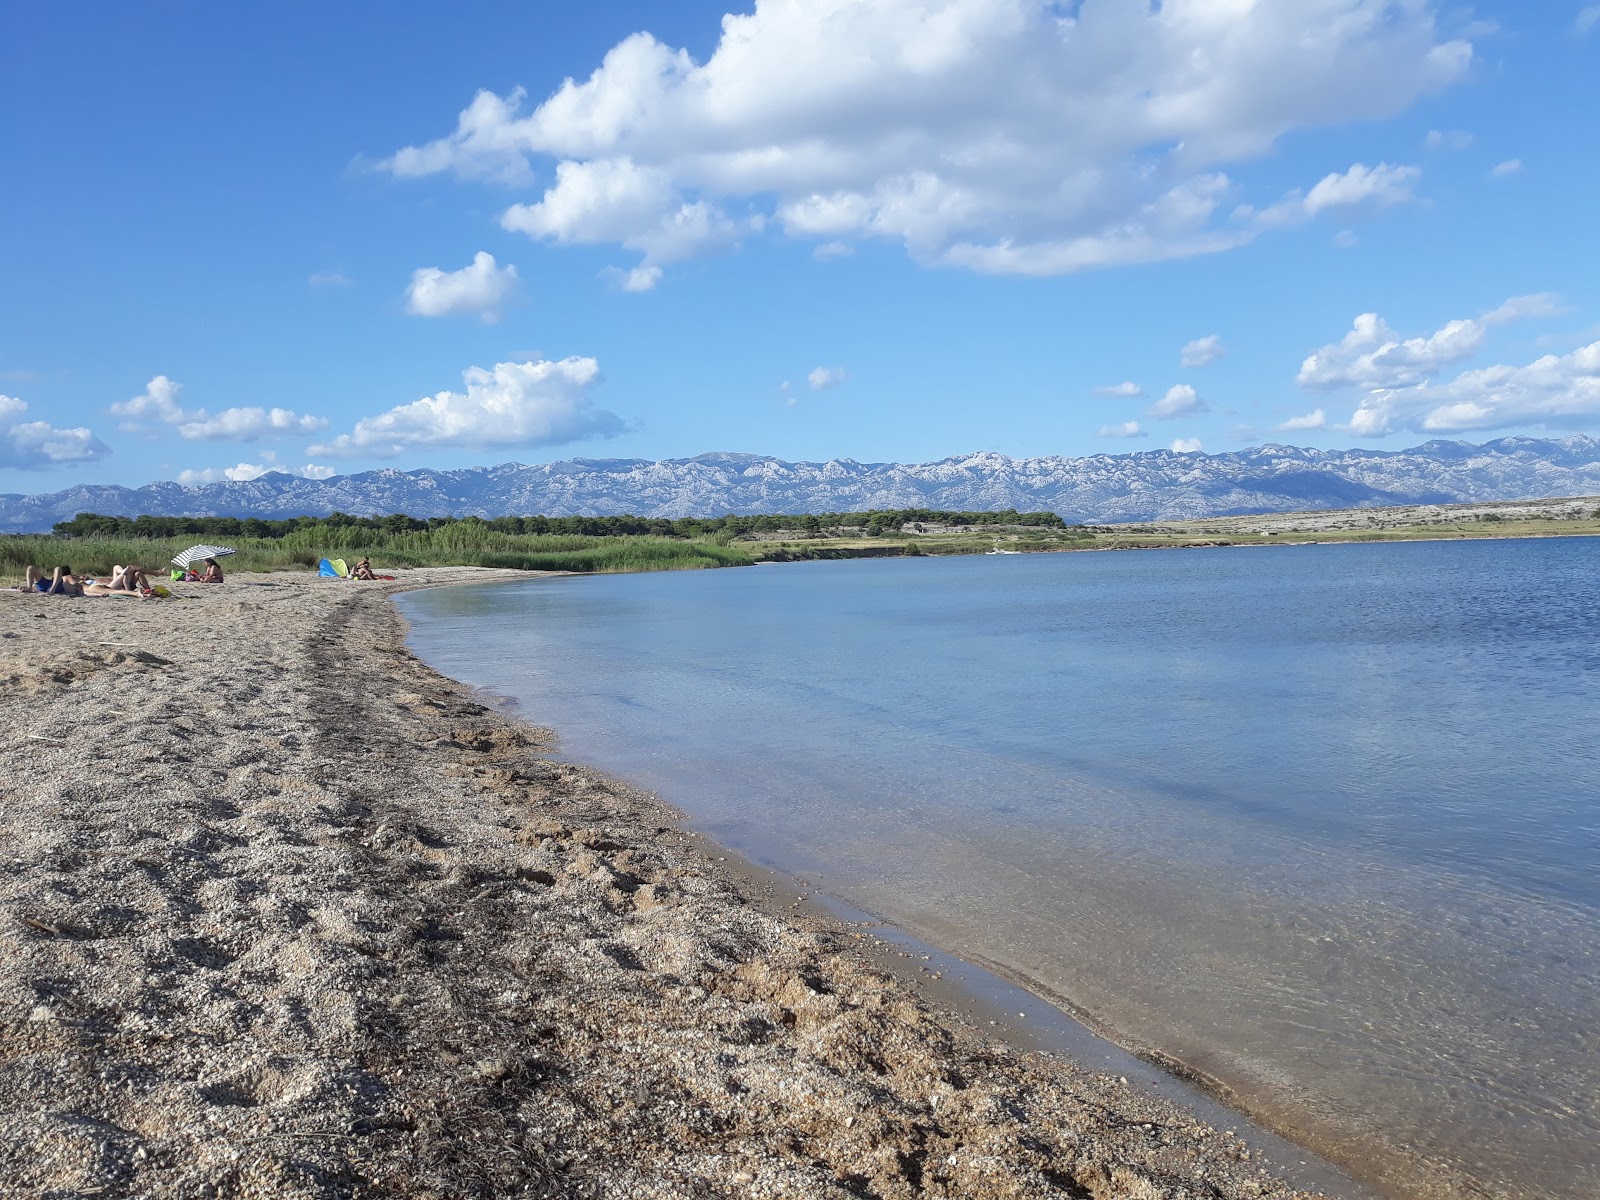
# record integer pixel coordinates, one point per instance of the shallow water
(1322, 822)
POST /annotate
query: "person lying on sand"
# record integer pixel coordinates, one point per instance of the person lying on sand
(123, 581)
(363, 570)
(62, 582)
(212, 573)
(129, 579)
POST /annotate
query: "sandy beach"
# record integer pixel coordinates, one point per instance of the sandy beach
(285, 913)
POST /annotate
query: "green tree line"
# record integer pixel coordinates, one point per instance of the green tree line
(871, 523)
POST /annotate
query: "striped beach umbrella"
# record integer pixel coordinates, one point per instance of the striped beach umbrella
(196, 553)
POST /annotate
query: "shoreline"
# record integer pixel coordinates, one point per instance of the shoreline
(1398, 1171)
(294, 915)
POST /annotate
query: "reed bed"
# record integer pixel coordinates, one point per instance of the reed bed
(460, 545)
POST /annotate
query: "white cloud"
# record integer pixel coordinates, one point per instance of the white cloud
(485, 145)
(1449, 139)
(245, 472)
(1586, 19)
(616, 200)
(1179, 401)
(1372, 355)
(1126, 390)
(480, 290)
(1186, 446)
(1398, 377)
(1202, 352)
(1382, 186)
(1345, 239)
(822, 378)
(1315, 419)
(1504, 170)
(829, 250)
(330, 279)
(1554, 390)
(514, 404)
(248, 424)
(159, 402)
(36, 445)
(1010, 136)
(1128, 429)
(641, 279)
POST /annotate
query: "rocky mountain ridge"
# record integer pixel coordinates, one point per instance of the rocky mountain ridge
(1144, 486)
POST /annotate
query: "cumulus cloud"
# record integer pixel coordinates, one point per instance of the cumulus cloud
(1008, 136)
(1555, 390)
(1202, 352)
(1372, 355)
(159, 403)
(640, 279)
(1128, 429)
(618, 201)
(1179, 401)
(245, 472)
(249, 424)
(1125, 390)
(1186, 446)
(513, 404)
(1504, 170)
(1399, 377)
(1382, 186)
(822, 378)
(480, 289)
(1315, 419)
(37, 445)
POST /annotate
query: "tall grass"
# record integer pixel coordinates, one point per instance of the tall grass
(465, 545)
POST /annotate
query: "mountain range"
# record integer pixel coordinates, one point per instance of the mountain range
(1099, 488)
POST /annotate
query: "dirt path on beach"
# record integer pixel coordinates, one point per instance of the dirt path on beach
(283, 913)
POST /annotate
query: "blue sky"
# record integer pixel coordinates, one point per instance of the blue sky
(332, 237)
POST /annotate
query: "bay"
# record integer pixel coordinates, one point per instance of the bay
(1322, 823)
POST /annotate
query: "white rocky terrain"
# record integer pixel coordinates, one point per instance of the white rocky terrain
(1146, 486)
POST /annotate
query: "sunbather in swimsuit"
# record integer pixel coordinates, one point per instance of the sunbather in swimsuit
(61, 582)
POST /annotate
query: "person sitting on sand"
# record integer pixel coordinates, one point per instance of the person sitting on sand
(363, 570)
(212, 573)
(130, 579)
(62, 582)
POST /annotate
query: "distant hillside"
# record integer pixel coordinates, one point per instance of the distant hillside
(1147, 486)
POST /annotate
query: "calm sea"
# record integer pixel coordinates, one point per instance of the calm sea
(1322, 822)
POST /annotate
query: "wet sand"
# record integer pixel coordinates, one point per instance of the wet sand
(286, 913)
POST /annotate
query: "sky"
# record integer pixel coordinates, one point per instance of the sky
(325, 238)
